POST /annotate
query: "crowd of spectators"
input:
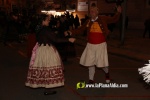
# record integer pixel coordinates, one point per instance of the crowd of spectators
(18, 27)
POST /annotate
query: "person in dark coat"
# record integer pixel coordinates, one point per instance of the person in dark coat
(12, 29)
(76, 22)
(64, 26)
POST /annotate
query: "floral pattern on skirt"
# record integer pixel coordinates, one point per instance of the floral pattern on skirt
(45, 68)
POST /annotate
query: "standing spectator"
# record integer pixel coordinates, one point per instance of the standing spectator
(86, 17)
(147, 27)
(71, 21)
(70, 48)
(95, 53)
(12, 29)
(64, 26)
(76, 22)
(57, 31)
(46, 68)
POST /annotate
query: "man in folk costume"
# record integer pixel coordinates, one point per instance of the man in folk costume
(95, 53)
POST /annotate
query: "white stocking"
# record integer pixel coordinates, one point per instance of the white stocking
(105, 69)
(91, 72)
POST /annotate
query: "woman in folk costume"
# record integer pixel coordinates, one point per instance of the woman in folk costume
(46, 68)
(95, 53)
(145, 72)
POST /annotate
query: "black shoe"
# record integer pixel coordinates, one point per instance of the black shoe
(50, 93)
(107, 78)
(91, 82)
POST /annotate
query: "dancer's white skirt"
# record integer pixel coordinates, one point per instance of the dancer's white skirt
(95, 54)
(46, 68)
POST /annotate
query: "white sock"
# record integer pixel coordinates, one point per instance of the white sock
(105, 69)
(91, 72)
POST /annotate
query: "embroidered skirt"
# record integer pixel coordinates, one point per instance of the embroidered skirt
(45, 68)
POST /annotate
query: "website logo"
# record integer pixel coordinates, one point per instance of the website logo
(80, 85)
